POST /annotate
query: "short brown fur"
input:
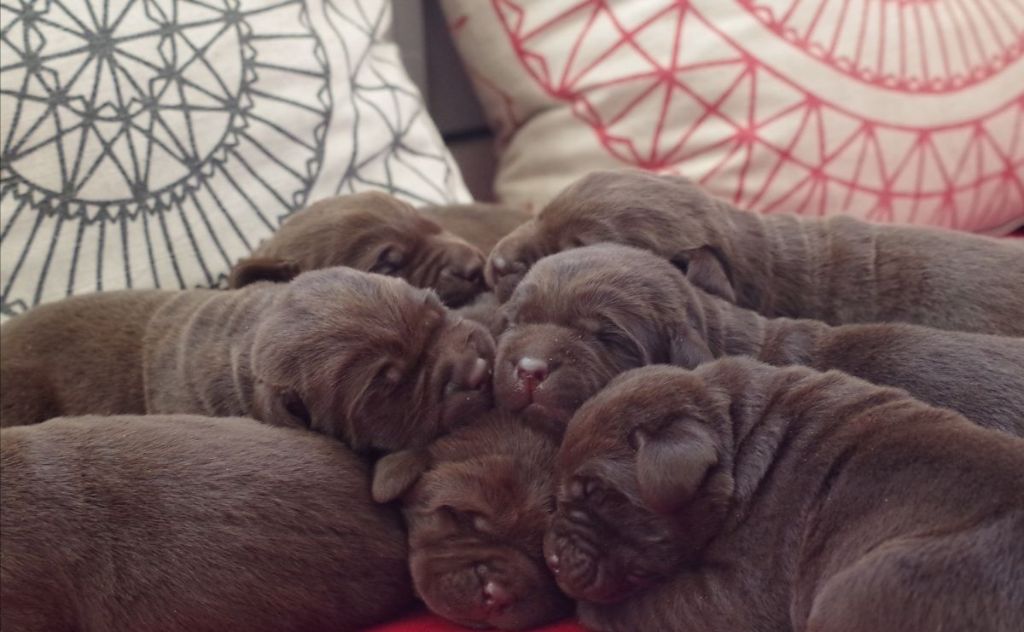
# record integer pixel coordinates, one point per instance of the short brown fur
(361, 357)
(591, 313)
(746, 497)
(838, 270)
(164, 524)
(476, 504)
(372, 232)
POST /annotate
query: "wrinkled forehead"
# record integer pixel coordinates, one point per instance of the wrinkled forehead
(391, 222)
(491, 484)
(592, 435)
(589, 284)
(341, 298)
(645, 397)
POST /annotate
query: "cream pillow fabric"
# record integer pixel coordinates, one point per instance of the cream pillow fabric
(152, 144)
(906, 111)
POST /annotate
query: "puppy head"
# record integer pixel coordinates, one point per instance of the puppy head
(476, 508)
(642, 483)
(372, 232)
(369, 359)
(581, 317)
(667, 215)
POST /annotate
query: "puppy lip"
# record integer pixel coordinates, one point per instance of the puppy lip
(550, 413)
(477, 375)
(496, 597)
(552, 560)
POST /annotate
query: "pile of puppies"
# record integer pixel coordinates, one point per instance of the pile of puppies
(669, 414)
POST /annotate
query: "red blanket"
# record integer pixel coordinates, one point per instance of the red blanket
(431, 623)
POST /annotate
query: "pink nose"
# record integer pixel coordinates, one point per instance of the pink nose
(531, 372)
(496, 596)
(553, 563)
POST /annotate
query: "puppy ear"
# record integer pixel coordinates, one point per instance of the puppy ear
(255, 269)
(707, 269)
(688, 350)
(672, 463)
(395, 473)
(279, 407)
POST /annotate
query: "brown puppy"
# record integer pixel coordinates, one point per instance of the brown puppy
(362, 357)
(746, 497)
(373, 232)
(582, 316)
(485, 310)
(482, 225)
(191, 523)
(838, 270)
(476, 504)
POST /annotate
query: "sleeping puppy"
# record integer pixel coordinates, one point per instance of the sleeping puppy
(746, 497)
(482, 225)
(361, 357)
(373, 232)
(476, 504)
(191, 523)
(582, 316)
(838, 270)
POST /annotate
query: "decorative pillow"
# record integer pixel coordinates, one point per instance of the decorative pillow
(909, 111)
(152, 144)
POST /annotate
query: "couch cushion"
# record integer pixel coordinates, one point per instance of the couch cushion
(152, 144)
(890, 111)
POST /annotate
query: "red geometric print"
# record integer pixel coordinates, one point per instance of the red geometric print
(693, 77)
(911, 45)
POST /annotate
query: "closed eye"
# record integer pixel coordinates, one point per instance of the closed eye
(468, 520)
(389, 375)
(611, 336)
(389, 261)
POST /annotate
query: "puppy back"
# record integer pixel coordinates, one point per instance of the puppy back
(187, 523)
(81, 355)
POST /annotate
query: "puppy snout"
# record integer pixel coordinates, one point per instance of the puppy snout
(531, 372)
(471, 273)
(471, 374)
(554, 563)
(503, 275)
(496, 596)
(477, 374)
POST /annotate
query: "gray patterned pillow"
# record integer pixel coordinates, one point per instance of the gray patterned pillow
(151, 143)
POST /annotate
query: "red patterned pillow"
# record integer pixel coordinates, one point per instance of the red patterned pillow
(888, 110)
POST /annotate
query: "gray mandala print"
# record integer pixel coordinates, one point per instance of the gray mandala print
(151, 143)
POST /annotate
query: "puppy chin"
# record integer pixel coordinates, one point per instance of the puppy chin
(539, 411)
(550, 419)
(519, 597)
(465, 407)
